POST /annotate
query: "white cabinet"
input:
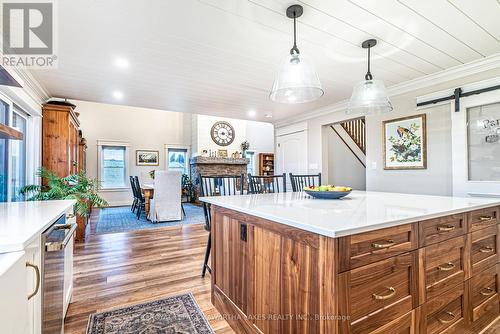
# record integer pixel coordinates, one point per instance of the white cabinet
(68, 266)
(19, 280)
(33, 279)
(14, 310)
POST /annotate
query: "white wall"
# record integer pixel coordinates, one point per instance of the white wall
(343, 166)
(144, 129)
(435, 180)
(260, 135)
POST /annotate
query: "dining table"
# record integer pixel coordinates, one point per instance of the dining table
(148, 190)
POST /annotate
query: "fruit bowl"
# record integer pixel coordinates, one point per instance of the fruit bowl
(327, 192)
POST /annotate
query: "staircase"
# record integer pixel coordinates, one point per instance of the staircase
(356, 129)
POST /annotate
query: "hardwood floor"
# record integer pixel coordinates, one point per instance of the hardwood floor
(115, 270)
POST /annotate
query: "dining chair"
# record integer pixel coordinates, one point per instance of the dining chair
(227, 185)
(166, 204)
(267, 184)
(301, 181)
(134, 194)
(141, 202)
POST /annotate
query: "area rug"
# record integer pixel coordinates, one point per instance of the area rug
(121, 219)
(179, 314)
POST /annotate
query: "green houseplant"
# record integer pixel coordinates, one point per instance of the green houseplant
(75, 186)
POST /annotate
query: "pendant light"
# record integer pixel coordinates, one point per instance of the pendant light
(369, 96)
(296, 81)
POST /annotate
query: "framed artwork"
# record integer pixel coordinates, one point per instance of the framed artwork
(222, 153)
(147, 158)
(405, 144)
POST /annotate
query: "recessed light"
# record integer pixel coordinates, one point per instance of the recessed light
(122, 63)
(251, 113)
(118, 95)
(269, 116)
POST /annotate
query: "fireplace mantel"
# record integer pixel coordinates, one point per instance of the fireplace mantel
(210, 166)
(218, 161)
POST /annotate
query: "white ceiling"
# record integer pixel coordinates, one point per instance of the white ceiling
(219, 57)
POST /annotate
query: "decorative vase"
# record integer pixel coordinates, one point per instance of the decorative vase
(244, 154)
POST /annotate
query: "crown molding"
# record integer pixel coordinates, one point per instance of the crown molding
(32, 86)
(452, 73)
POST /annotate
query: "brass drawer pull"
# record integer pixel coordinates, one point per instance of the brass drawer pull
(446, 267)
(37, 273)
(445, 228)
(487, 291)
(444, 321)
(486, 249)
(391, 294)
(485, 218)
(386, 244)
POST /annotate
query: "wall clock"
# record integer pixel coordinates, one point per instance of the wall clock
(222, 133)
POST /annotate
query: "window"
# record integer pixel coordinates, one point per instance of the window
(113, 165)
(4, 154)
(177, 159)
(250, 166)
(18, 157)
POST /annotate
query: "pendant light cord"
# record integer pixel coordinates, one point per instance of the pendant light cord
(294, 49)
(369, 75)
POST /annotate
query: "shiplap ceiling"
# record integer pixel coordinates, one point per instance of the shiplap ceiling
(219, 57)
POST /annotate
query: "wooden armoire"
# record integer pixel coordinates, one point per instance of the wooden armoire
(61, 139)
(63, 146)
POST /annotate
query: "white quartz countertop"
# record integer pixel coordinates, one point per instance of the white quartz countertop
(359, 212)
(21, 222)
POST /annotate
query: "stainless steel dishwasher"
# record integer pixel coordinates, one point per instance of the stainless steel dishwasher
(54, 241)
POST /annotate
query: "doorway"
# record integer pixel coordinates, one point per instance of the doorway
(346, 147)
(291, 154)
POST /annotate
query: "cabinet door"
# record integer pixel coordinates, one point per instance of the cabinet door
(230, 244)
(14, 314)
(68, 271)
(33, 285)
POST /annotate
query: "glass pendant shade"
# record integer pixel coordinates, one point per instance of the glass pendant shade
(369, 97)
(296, 81)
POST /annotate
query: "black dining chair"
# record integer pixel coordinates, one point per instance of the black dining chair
(267, 184)
(132, 186)
(301, 181)
(217, 186)
(141, 202)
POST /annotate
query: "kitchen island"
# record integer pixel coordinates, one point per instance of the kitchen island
(369, 263)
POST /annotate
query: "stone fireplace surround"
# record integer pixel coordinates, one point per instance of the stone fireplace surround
(209, 166)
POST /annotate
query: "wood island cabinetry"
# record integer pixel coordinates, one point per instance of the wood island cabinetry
(431, 276)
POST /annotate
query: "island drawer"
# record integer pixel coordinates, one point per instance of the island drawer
(379, 292)
(484, 250)
(361, 249)
(483, 218)
(484, 289)
(436, 230)
(443, 266)
(444, 311)
(402, 325)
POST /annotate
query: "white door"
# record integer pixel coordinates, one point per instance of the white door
(476, 146)
(291, 154)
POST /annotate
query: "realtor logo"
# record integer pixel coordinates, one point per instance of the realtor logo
(28, 34)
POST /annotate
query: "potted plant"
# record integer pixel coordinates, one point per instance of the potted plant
(244, 147)
(75, 186)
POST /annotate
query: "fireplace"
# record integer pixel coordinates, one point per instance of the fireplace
(209, 166)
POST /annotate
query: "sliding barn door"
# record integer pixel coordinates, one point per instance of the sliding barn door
(476, 146)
